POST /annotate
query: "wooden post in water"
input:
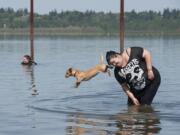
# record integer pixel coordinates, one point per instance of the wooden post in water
(32, 29)
(121, 25)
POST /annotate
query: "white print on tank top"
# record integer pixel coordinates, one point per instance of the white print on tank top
(134, 74)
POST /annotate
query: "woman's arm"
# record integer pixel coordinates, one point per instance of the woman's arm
(130, 94)
(148, 60)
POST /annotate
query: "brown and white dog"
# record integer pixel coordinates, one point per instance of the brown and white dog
(88, 74)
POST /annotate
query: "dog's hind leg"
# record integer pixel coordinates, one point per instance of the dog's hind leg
(109, 72)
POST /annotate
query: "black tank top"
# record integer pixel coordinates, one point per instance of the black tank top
(135, 71)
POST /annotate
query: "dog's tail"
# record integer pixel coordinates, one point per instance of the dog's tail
(101, 59)
(107, 66)
(102, 62)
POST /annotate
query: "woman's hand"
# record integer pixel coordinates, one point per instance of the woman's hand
(135, 101)
(150, 75)
(130, 94)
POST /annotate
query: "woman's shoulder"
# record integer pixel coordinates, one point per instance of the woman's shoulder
(128, 50)
(135, 50)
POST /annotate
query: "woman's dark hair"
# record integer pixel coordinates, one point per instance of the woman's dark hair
(111, 54)
(28, 57)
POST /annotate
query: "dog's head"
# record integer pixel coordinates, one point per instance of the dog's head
(69, 73)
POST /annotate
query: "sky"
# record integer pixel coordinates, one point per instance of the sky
(44, 6)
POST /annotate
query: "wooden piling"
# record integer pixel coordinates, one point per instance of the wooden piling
(121, 25)
(32, 29)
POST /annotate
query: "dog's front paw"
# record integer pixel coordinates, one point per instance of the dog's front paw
(77, 84)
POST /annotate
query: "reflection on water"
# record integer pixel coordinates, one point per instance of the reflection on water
(138, 120)
(29, 70)
(141, 120)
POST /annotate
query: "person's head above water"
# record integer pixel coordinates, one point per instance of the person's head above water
(27, 60)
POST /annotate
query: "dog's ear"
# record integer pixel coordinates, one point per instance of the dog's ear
(70, 69)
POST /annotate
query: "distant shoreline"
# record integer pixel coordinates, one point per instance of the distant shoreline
(79, 32)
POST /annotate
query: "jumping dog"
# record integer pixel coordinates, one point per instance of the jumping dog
(88, 74)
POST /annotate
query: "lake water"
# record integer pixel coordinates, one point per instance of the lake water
(97, 107)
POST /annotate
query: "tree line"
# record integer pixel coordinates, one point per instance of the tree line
(166, 21)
